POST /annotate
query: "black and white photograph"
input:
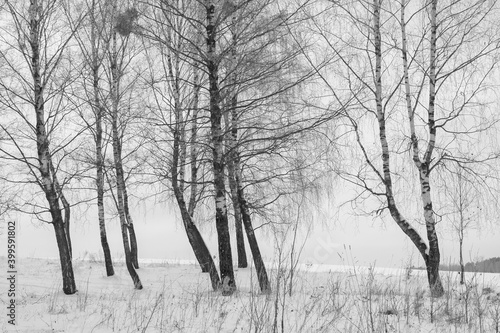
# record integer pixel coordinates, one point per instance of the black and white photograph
(250, 166)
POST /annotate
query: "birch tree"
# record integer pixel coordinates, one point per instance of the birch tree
(432, 72)
(175, 79)
(268, 112)
(249, 71)
(231, 122)
(93, 39)
(453, 29)
(33, 93)
(118, 58)
(217, 144)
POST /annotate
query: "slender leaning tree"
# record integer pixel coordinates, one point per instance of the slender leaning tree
(175, 143)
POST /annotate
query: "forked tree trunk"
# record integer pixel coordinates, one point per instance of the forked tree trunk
(99, 159)
(120, 179)
(217, 138)
(43, 151)
(128, 258)
(49, 187)
(66, 206)
(431, 255)
(69, 286)
(121, 210)
(61, 228)
(434, 255)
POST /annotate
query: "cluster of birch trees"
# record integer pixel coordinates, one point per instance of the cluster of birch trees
(230, 107)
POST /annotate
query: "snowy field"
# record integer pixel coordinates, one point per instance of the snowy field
(177, 298)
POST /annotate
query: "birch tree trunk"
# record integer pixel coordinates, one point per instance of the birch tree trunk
(179, 156)
(217, 138)
(93, 51)
(450, 58)
(130, 225)
(66, 206)
(260, 267)
(36, 26)
(430, 221)
(195, 239)
(120, 179)
(193, 140)
(431, 256)
(240, 205)
(232, 153)
(98, 110)
(241, 211)
(231, 158)
(180, 115)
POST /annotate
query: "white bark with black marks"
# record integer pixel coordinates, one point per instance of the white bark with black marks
(217, 142)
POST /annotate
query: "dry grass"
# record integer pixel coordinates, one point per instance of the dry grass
(177, 298)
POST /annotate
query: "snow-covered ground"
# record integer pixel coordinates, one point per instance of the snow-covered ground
(177, 297)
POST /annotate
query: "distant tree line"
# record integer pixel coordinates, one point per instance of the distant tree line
(491, 265)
